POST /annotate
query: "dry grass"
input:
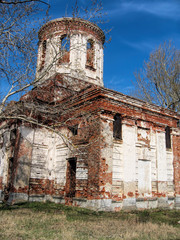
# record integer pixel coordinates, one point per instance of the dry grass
(24, 223)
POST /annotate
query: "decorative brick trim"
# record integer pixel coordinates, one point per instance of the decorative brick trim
(71, 24)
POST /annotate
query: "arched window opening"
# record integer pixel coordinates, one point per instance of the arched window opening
(74, 129)
(65, 49)
(90, 54)
(168, 137)
(117, 127)
(44, 45)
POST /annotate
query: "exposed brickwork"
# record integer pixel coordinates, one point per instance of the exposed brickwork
(82, 188)
(176, 163)
(12, 170)
(1, 185)
(43, 187)
(71, 25)
(86, 161)
(55, 89)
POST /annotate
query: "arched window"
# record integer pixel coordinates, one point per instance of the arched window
(90, 54)
(168, 137)
(44, 45)
(117, 126)
(74, 129)
(65, 49)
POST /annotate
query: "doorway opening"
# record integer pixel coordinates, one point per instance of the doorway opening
(71, 177)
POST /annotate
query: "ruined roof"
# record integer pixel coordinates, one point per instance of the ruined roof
(94, 92)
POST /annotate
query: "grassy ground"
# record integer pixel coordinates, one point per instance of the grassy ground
(41, 221)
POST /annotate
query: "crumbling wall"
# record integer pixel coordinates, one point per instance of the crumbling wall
(7, 150)
(142, 164)
(176, 164)
(4, 153)
(52, 56)
(150, 166)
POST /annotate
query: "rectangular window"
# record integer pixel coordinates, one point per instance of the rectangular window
(65, 50)
(117, 127)
(90, 55)
(168, 137)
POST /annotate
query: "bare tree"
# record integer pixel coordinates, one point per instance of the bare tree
(41, 106)
(19, 23)
(93, 11)
(18, 63)
(159, 80)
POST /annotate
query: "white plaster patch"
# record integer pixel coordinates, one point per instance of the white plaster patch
(144, 176)
(62, 153)
(117, 173)
(129, 153)
(161, 157)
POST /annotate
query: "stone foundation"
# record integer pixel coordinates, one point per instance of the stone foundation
(100, 204)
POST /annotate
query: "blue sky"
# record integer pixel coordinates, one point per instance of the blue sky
(138, 27)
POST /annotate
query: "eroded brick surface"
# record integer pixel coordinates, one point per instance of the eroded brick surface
(176, 163)
(109, 172)
(1, 186)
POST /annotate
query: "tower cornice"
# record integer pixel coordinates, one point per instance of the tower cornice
(71, 25)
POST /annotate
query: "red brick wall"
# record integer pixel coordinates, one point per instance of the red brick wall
(43, 186)
(176, 163)
(21, 165)
(93, 158)
(1, 187)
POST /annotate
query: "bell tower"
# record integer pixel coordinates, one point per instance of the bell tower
(73, 47)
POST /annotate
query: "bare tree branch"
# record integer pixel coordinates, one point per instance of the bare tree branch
(23, 1)
(159, 80)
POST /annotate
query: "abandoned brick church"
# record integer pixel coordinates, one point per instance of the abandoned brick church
(76, 142)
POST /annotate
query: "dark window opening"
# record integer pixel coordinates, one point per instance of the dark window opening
(178, 123)
(90, 54)
(168, 137)
(117, 127)
(65, 49)
(71, 178)
(74, 129)
(89, 44)
(13, 136)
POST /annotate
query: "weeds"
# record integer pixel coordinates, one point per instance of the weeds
(31, 221)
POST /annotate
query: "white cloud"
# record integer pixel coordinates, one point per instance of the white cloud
(142, 46)
(167, 9)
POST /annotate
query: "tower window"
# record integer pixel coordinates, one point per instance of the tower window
(43, 53)
(65, 49)
(117, 127)
(168, 137)
(90, 54)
